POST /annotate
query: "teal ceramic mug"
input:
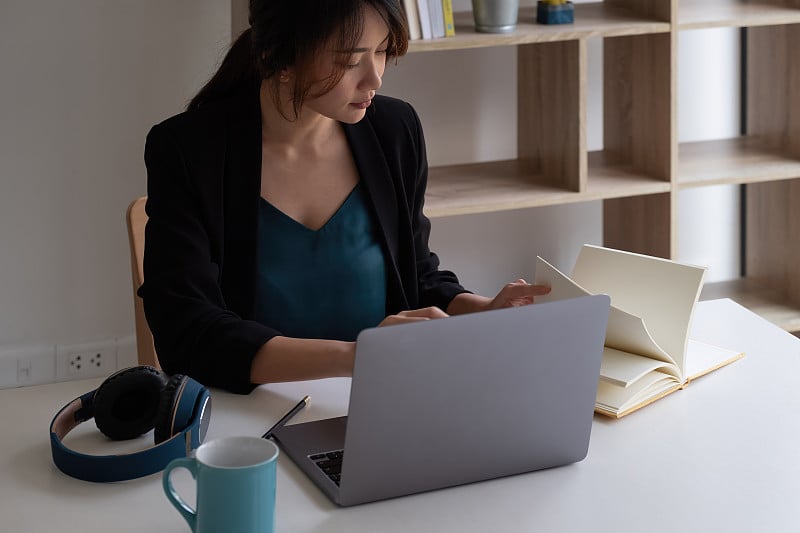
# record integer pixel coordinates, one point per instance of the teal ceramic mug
(235, 479)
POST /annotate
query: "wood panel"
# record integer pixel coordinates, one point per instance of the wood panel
(641, 224)
(551, 123)
(664, 10)
(773, 209)
(639, 103)
(773, 101)
(773, 234)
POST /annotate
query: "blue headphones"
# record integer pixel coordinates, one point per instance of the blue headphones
(127, 404)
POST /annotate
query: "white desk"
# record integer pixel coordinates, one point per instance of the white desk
(722, 455)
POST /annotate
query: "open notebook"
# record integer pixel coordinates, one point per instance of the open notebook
(647, 351)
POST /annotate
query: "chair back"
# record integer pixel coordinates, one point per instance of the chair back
(136, 219)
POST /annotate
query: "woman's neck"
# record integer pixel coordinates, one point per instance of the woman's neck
(309, 131)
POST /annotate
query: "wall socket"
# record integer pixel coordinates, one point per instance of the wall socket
(36, 364)
(89, 360)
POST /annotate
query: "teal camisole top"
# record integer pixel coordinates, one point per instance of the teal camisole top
(328, 283)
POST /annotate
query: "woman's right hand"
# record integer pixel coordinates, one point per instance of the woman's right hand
(413, 315)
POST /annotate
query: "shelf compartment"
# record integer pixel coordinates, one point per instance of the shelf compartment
(772, 225)
(699, 14)
(551, 96)
(765, 302)
(616, 180)
(638, 91)
(773, 75)
(491, 186)
(771, 149)
(591, 20)
(733, 161)
(510, 184)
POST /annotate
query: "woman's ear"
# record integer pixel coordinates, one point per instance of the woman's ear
(286, 74)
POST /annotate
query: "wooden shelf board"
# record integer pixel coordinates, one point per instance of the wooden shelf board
(484, 187)
(591, 20)
(731, 161)
(700, 14)
(505, 185)
(608, 180)
(768, 303)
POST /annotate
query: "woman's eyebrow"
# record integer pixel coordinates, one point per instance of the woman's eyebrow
(362, 50)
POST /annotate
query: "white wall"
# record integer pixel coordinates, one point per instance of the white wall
(709, 108)
(82, 82)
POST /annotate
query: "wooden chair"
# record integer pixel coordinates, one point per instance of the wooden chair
(137, 219)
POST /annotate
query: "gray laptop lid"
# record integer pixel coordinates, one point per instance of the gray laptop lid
(468, 398)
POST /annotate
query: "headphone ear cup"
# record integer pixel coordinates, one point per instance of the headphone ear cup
(126, 404)
(165, 423)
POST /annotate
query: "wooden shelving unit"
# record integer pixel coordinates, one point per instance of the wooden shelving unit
(642, 167)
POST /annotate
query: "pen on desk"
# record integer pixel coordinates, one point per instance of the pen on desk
(280, 423)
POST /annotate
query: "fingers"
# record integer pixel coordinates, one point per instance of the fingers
(425, 312)
(393, 320)
(523, 289)
(413, 315)
(518, 293)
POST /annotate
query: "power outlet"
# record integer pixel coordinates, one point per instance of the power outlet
(80, 361)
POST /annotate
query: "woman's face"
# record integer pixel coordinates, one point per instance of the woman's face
(348, 100)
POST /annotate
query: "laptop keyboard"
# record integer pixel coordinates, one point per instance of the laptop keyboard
(330, 463)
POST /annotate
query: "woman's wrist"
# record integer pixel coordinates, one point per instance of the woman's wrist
(466, 302)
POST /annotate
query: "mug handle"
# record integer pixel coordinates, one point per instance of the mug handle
(190, 464)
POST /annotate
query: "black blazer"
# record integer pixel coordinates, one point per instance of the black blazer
(203, 186)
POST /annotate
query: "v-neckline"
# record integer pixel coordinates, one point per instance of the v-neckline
(330, 220)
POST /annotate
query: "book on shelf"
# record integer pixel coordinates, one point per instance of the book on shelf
(412, 17)
(437, 18)
(449, 24)
(424, 19)
(647, 353)
(429, 19)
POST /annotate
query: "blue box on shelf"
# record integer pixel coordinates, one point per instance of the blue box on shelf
(547, 13)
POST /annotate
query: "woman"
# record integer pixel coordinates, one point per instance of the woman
(285, 205)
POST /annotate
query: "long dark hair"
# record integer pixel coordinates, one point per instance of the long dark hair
(288, 33)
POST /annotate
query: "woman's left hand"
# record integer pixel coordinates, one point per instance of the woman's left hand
(517, 293)
(514, 294)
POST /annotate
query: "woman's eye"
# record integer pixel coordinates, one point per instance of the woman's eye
(354, 63)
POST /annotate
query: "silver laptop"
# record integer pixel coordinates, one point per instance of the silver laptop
(452, 401)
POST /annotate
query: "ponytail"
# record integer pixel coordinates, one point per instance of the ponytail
(237, 69)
